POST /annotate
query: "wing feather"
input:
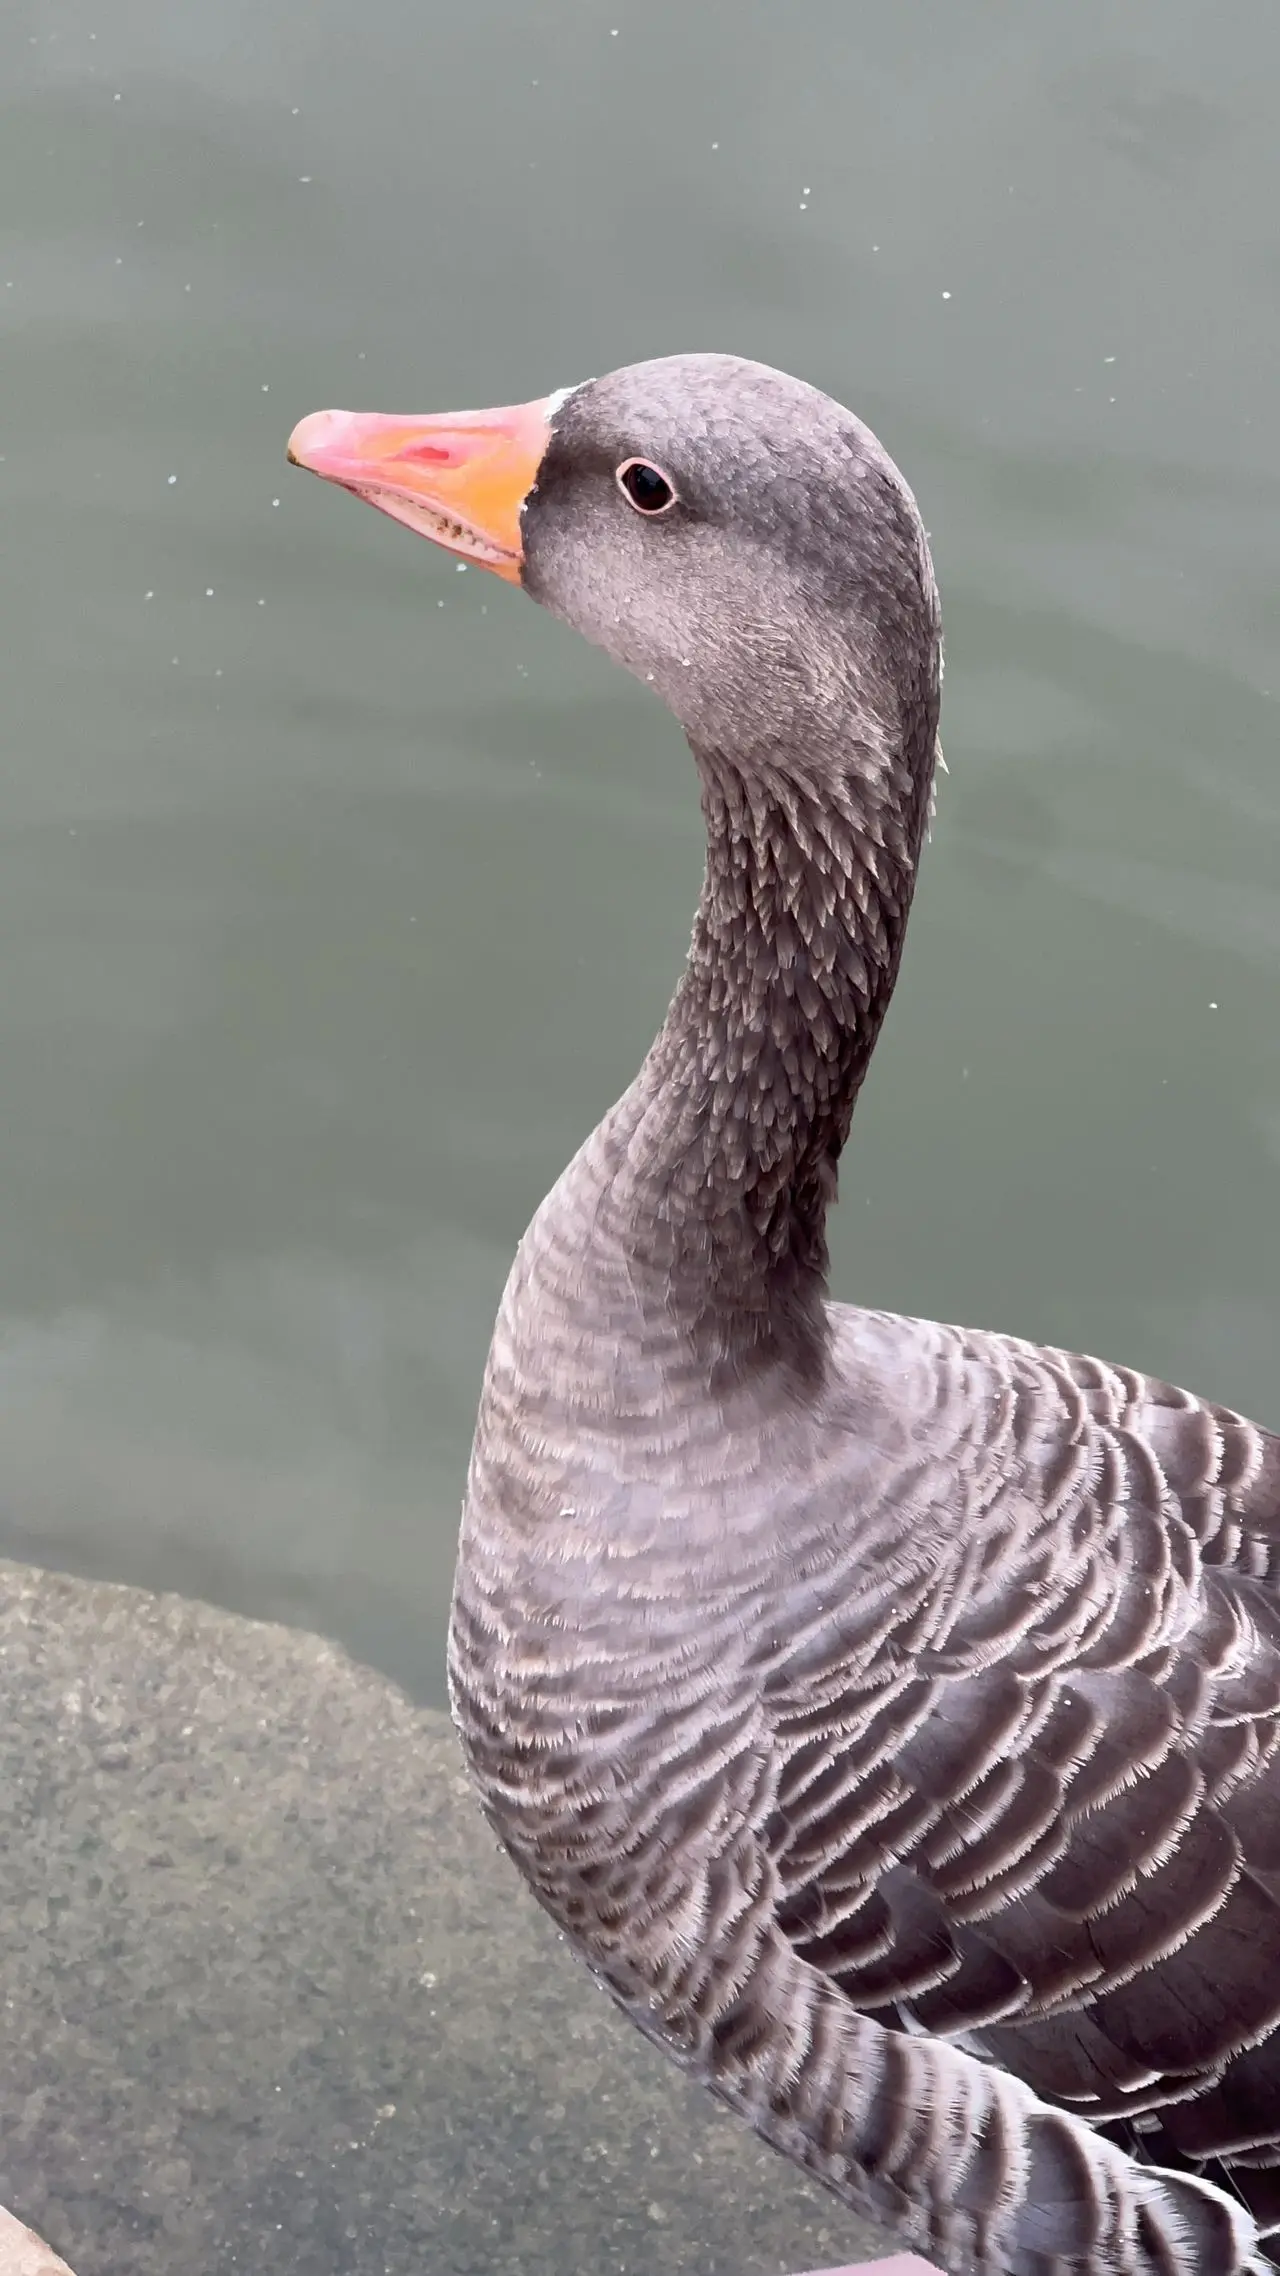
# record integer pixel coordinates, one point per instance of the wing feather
(1040, 1812)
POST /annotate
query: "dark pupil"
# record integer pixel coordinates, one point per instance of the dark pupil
(647, 488)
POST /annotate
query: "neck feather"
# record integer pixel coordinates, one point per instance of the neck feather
(735, 1124)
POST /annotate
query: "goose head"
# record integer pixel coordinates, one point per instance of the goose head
(731, 535)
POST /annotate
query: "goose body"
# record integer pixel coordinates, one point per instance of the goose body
(888, 1712)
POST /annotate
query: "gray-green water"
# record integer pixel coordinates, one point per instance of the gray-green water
(340, 892)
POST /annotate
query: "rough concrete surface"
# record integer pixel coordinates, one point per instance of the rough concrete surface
(270, 1997)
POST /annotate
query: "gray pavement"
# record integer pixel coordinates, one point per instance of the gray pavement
(271, 1999)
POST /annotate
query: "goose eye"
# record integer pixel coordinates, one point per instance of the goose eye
(645, 487)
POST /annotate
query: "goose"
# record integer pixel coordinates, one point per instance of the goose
(887, 1712)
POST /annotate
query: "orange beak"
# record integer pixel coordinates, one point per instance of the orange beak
(460, 477)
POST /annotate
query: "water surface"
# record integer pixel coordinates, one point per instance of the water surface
(341, 892)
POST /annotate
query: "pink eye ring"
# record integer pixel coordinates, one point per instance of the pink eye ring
(645, 487)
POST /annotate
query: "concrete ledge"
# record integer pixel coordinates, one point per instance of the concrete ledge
(23, 2253)
(270, 1997)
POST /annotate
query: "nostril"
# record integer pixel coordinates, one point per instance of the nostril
(435, 454)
